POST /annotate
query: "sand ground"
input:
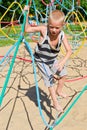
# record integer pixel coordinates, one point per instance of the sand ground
(19, 109)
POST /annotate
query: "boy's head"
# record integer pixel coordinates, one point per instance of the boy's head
(56, 16)
(55, 22)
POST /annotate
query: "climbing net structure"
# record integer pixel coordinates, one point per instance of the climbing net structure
(12, 31)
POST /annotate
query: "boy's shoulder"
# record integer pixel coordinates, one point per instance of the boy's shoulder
(61, 35)
(62, 32)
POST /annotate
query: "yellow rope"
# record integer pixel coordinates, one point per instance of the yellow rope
(12, 23)
(15, 2)
(83, 30)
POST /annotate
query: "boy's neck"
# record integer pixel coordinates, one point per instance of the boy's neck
(52, 37)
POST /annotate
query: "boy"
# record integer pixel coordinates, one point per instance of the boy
(46, 52)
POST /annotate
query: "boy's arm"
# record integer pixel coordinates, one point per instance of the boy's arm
(26, 8)
(27, 25)
(67, 48)
(32, 29)
(62, 62)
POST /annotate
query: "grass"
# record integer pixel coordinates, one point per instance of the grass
(75, 31)
(10, 35)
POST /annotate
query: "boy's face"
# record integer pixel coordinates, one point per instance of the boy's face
(55, 27)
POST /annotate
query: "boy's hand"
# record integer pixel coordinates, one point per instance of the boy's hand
(26, 8)
(59, 65)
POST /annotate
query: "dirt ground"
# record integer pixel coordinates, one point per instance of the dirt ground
(19, 109)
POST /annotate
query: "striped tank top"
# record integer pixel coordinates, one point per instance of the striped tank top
(45, 53)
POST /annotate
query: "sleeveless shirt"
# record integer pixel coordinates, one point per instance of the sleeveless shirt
(45, 53)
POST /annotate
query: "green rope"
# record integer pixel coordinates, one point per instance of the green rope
(13, 60)
(8, 74)
(10, 70)
(68, 110)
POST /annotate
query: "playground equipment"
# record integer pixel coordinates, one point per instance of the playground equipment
(21, 38)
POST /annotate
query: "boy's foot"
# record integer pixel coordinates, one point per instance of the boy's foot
(58, 107)
(63, 95)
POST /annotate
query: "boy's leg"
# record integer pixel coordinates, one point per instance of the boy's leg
(54, 99)
(60, 85)
(61, 76)
(48, 80)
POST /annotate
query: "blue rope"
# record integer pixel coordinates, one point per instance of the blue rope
(58, 120)
(7, 54)
(36, 82)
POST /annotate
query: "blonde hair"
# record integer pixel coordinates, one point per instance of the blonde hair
(56, 15)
